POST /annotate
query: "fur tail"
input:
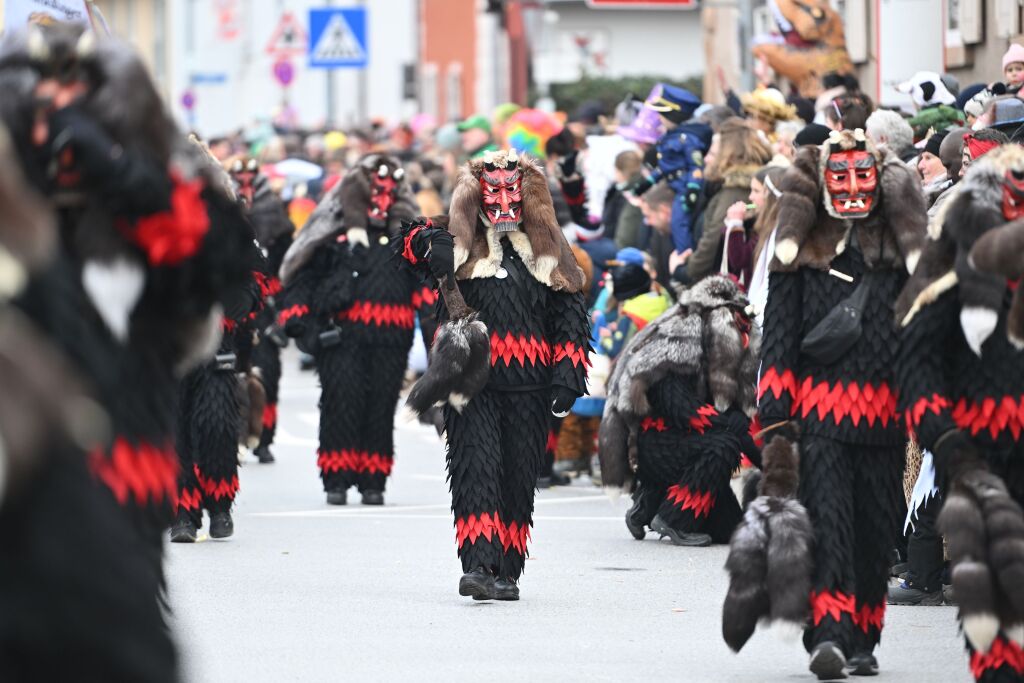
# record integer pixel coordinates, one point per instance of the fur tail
(747, 600)
(790, 560)
(459, 366)
(963, 525)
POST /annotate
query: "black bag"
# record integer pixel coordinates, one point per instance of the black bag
(837, 332)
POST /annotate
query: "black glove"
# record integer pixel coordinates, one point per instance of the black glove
(955, 455)
(640, 186)
(735, 420)
(567, 165)
(442, 254)
(562, 400)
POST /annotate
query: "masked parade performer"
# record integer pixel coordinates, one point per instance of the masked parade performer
(851, 225)
(677, 414)
(680, 157)
(274, 230)
(962, 393)
(210, 408)
(347, 304)
(515, 269)
(146, 250)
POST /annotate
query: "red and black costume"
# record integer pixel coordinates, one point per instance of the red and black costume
(962, 394)
(695, 368)
(146, 251)
(851, 217)
(274, 231)
(515, 269)
(348, 304)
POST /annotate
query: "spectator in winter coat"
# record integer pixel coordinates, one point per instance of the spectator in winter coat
(889, 128)
(656, 206)
(619, 213)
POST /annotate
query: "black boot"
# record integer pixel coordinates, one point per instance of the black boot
(337, 497)
(679, 537)
(505, 589)
(373, 497)
(477, 584)
(862, 664)
(645, 505)
(828, 662)
(221, 525)
(264, 455)
(184, 529)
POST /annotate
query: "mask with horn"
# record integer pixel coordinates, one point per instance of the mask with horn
(502, 191)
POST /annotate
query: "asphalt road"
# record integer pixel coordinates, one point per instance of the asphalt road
(304, 592)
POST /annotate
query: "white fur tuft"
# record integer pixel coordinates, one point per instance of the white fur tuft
(912, 259)
(358, 236)
(458, 401)
(114, 289)
(1015, 632)
(613, 493)
(786, 631)
(12, 275)
(981, 630)
(786, 251)
(978, 324)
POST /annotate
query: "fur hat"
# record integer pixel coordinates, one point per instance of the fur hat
(1014, 55)
(926, 89)
(972, 211)
(768, 103)
(538, 241)
(810, 234)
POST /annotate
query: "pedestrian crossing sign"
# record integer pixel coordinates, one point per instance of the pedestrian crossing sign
(338, 38)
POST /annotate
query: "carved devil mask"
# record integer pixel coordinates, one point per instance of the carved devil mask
(502, 195)
(383, 192)
(1013, 195)
(851, 177)
(244, 173)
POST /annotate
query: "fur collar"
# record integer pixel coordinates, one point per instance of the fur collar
(808, 235)
(539, 242)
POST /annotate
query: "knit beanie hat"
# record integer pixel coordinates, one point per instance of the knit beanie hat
(630, 280)
(935, 143)
(1013, 55)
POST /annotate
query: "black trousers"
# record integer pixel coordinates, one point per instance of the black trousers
(852, 494)
(924, 548)
(359, 392)
(495, 450)
(685, 481)
(267, 357)
(207, 441)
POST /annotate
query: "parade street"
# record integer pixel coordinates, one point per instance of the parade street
(307, 592)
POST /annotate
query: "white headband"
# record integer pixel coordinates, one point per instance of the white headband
(771, 186)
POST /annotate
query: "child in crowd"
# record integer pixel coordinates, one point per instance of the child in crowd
(1013, 68)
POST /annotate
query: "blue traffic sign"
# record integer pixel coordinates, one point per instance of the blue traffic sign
(337, 38)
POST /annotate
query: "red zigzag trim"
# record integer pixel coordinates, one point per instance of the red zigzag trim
(873, 404)
(834, 604)
(684, 499)
(190, 499)
(424, 297)
(217, 488)
(348, 460)
(143, 471)
(995, 415)
(269, 415)
(521, 348)
(1002, 653)
(577, 354)
(489, 526)
(380, 315)
(296, 311)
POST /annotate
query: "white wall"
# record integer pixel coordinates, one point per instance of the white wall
(636, 42)
(905, 52)
(251, 93)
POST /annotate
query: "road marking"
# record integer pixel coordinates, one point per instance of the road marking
(378, 515)
(285, 438)
(400, 510)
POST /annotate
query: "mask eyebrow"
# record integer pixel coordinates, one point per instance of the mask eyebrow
(838, 165)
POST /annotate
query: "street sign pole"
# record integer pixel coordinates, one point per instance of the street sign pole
(331, 84)
(363, 96)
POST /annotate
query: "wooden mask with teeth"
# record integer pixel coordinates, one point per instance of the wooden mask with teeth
(501, 192)
(385, 178)
(850, 176)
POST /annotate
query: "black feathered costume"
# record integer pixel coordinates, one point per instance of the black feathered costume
(962, 393)
(849, 213)
(274, 231)
(132, 299)
(347, 302)
(515, 269)
(677, 414)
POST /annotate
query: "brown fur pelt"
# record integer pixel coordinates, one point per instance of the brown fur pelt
(576, 437)
(586, 264)
(974, 211)
(252, 400)
(891, 236)
(539, 241)
(695, 338)
(770, 553)
(1001, 251)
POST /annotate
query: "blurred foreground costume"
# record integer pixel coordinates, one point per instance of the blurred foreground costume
(269, 218)
(525, 292)
(852, 223)
(146, 251)
(677, 415)
(962, 393)
(347, 303)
